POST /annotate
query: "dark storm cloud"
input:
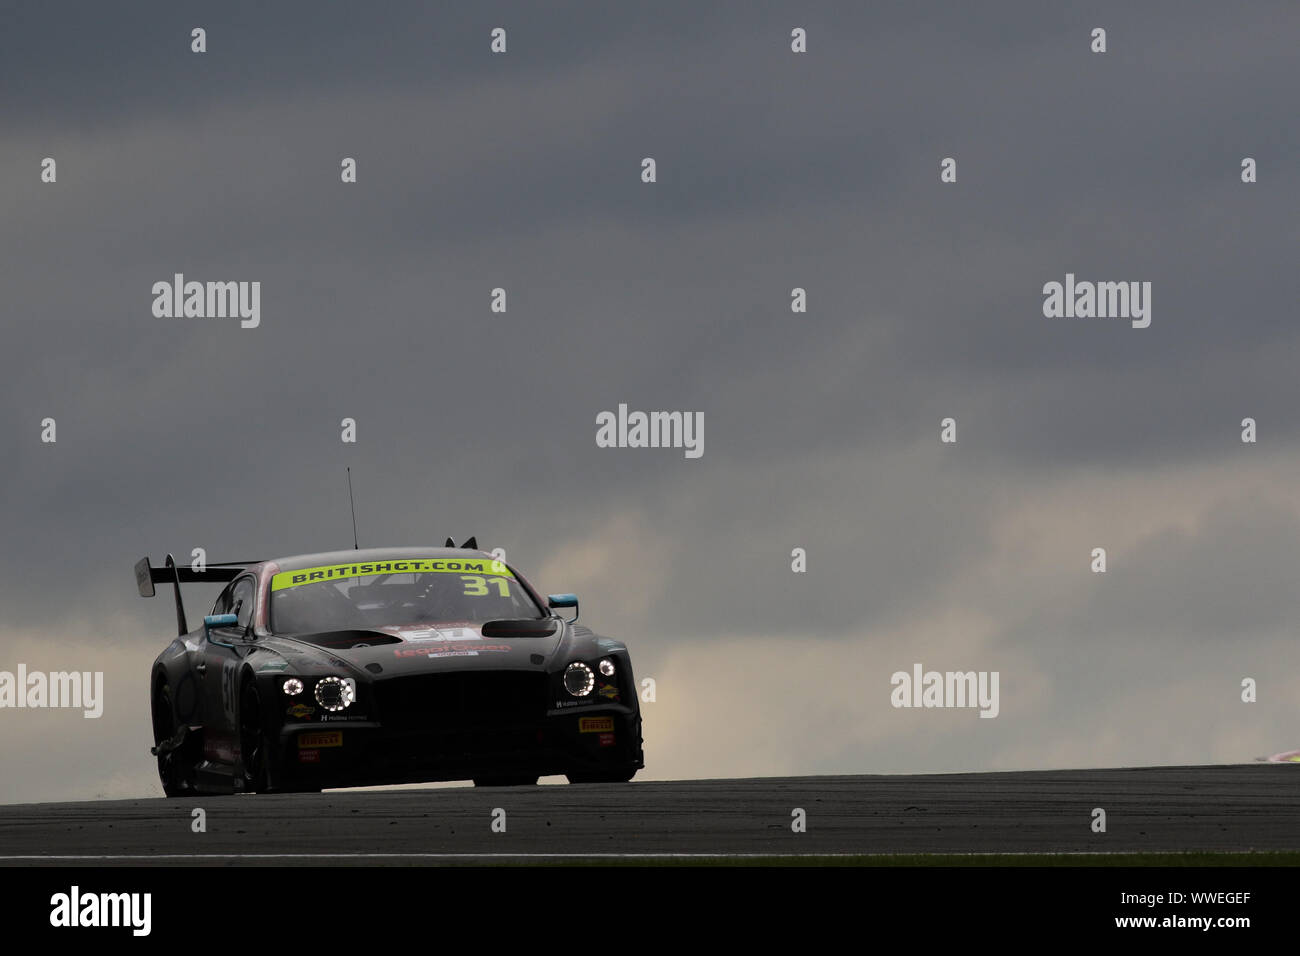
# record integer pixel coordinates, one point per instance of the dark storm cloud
(1081, 169)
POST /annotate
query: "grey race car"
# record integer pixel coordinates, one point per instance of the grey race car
(383, 666)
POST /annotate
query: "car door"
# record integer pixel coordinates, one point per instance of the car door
(222, 655)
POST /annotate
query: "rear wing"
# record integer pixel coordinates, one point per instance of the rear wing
(146, 576)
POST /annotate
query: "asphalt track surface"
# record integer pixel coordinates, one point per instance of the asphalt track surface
(1246, 807)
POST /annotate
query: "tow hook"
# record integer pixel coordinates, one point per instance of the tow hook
(173, 742)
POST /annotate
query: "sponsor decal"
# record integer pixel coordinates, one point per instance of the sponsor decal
(441, 649)
(309, 756)
(436, 634)
(228, 692)
(300, 711)
(323, 738)
(607, 740)
(595, 725)
(326, 718)
(334, 572)
(608, 691)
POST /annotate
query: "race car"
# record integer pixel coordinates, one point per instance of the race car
(385, 666)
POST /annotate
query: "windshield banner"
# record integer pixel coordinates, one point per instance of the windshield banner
(335, 572)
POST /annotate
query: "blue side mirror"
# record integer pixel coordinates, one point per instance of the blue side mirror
(218, 620)
(564, 600)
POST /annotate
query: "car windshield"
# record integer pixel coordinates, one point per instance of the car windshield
(398, 593)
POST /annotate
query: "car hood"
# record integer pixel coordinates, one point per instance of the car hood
(420, 649)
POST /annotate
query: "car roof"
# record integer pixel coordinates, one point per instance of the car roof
(299, 561)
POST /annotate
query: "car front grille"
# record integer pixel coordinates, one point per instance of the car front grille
(462, 700)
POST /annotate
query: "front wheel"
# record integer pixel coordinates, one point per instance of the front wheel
(173, 770)
(252, 740)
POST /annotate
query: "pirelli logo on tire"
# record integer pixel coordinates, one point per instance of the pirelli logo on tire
(595, 725)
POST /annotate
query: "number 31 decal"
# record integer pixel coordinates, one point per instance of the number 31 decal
(476, 586)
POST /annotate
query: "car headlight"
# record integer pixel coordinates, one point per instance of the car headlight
(607, 667)
(579, 679)
(292, 687)
(335, 694)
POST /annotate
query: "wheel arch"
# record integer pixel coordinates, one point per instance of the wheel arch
(265, 687)
(158, 679)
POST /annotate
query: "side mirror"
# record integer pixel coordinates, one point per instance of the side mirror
(564, 600)
(218, 620)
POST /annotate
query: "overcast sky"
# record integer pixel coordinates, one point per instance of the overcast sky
(775, 170)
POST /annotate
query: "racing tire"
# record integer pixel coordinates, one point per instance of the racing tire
(252, 740)
(172, 769)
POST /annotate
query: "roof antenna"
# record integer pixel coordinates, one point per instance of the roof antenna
(352, 502)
